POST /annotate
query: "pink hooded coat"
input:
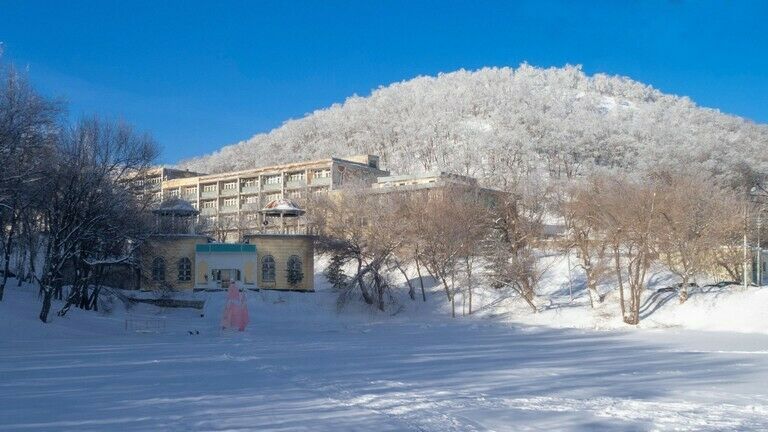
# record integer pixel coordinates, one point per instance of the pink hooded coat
(236, 309)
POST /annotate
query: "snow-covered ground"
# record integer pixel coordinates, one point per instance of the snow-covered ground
(566, 305)
(303, 365)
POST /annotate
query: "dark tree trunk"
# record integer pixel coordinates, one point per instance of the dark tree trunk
(411, 288)
(94, 300)
(7, 260)
(421, 281)
(47, 297)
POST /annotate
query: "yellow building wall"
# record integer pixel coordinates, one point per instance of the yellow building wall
(281, 248)
(171, 249)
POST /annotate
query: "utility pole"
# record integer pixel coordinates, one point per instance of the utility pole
(570, 282)
(759, 250)
(746, 246)
(757, 193)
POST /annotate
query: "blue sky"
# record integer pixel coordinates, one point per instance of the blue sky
(202, 74)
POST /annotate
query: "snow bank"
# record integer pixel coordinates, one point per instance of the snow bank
(566, 305)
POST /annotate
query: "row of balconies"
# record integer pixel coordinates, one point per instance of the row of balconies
(230, 209)
(253, 190)
(320, 181)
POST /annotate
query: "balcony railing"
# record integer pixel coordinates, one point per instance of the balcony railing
(249, 189)
(189, 197)
(250, 206)
(228, 209)
(228, 192)
(296, 184)
(209, 194)
(271, 187)
(208, 211)
(321, 181)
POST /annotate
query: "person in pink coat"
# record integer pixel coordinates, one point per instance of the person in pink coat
(235, 310)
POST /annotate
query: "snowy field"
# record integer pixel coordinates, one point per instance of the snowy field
(302, 365)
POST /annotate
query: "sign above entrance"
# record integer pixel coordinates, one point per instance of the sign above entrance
(225, 247)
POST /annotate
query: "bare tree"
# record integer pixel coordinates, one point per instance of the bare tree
(693, 210)
(85, 203)
(28, 124)
(632, 214)
(512, 252)
(366, 229)
(583, 213)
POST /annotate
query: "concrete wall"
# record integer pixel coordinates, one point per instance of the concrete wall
(281, 248)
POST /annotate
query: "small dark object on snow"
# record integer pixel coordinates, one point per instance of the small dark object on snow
(676, 287)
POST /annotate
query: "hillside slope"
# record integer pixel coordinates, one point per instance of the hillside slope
(501, 123)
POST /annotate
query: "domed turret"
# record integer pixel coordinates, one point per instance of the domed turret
(281, 208)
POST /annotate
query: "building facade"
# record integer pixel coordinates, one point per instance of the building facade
(229, 203)
(149, 184)
(285, 261)
(193, 262)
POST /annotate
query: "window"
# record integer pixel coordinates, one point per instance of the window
(230, 202)
(249, 183)
(295, 195)
(185, 270)
(209, 188)
(295, 275)
(272, 180)
(191, 190)
(273, 196)
(253, 199)
(322, 173)
(230, 186)
(268, 269)
(173, 193)
(209, 204)
(158, 269)
(296, 176)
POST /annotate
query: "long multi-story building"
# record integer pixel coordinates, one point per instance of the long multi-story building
(230, 203)
(149, 183)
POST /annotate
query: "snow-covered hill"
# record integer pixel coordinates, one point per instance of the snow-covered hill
(500, 123)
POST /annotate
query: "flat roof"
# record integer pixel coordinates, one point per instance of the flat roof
(281, 167)
(425, 175)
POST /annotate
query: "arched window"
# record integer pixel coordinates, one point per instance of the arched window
(268, 269)
(158, 269)
(185, 270)
(295, 275)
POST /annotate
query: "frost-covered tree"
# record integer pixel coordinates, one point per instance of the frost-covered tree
(500, 124)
